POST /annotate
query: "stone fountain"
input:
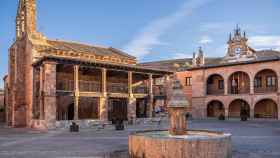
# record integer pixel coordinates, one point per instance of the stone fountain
(178, 142)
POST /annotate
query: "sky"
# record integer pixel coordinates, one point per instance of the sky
(151, 30)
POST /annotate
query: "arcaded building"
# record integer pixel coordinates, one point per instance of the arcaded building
(244, 80)
(51, 82)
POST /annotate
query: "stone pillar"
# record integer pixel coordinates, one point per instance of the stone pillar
(76, 92)
(252, 113)
(226, 113)
(151, 96)
(41, 88)
(278, 85)
(49, 89)
(103, 101)
(178, 123)
(131, 115)
(226, 86)
(252, 85)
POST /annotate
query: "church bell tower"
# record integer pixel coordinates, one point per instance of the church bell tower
(26, 18)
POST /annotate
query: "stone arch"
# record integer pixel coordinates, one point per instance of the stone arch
(238, 105)
(239, 83)
(215, 84)
(265, 80)
(266, 108)
(215, 108)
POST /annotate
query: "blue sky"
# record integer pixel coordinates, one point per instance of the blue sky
(149, 29)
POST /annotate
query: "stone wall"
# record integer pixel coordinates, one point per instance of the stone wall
(200, 99)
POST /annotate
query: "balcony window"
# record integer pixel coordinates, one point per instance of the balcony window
(221, 84)
(188, 81)
(270, 81)
(258, 82)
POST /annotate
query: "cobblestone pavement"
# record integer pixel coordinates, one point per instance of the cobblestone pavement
(252, 139)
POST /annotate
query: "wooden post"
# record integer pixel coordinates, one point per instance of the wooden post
(130, 88)
(131, 115)
(103, 101)
(151, 96)
(76, 91)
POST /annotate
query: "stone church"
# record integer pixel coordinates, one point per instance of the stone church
(51, 82)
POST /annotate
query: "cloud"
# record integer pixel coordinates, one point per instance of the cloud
(181, 56)
(142, 44)
(205, 40)
(265, 42)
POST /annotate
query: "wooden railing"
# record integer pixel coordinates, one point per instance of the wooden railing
(159, 90)
(117, 88)
(212, 89)
(140, 90)
(265, 89)
(89, 86)
(65, 85)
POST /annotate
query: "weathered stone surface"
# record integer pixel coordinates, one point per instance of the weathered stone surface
(217, 145)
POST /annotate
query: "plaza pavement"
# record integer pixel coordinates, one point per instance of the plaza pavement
(252, 139)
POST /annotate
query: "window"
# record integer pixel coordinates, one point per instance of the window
(270, 81)
(258, 82)
(188, 81)
(221, 84)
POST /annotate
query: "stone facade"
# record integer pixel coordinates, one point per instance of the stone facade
(2, 107)
(232, 85)
(50, 80)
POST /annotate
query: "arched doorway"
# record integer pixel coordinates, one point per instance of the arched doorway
(237, 106)
(215, 109)
(239, 83)
(265, 81)
(266, 108)
(70, 112)
(215, 84)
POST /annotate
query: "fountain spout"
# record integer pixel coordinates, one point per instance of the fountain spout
(177, 109)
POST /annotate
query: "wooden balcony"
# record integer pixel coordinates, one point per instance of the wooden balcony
(213, 90)
(117, 88)
(140, 90)
(265, 89)
(89, 86)
(159, 90)
(65, 85)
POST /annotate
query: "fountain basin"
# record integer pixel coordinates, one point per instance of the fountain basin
(196, 144)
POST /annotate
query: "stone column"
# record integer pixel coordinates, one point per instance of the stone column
(76, 92)
(41, 103)
(252, 85)
(151, 96)
(278, 85)
(103, 101)
(226, 86)
(131, 115)
(226, 113)
(49, 90)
